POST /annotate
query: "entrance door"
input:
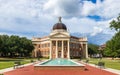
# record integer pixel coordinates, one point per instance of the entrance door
(65, 53)
(59, 54)
(53, 54)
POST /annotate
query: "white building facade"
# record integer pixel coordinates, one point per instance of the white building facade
(60, 44)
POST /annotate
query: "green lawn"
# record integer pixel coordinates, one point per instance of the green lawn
(115, 64)
(9, 62)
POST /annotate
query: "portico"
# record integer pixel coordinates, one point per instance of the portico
(60, 49)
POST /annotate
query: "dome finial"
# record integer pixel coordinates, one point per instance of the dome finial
(59, 19)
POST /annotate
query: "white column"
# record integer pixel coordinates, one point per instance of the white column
(35, 53)
(62, 49)
(68, 50)
(36, 50)
(86, 51)
(56, 49)
(50, 49)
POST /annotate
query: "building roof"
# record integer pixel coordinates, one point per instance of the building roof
(59, 25)
(101, 47)
(74, 37)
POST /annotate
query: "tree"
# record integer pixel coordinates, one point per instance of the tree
(0, 45)
(26, 47)
(92, 49)
(113, 46)
(115, 24)
(4, 45)
(13, 43)
(15, 46)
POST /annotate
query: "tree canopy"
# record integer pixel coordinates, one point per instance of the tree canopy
(12, 46)
(113, 46)
(115, 24)
(92, 49)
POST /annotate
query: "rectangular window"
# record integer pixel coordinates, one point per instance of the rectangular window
(59, 43)
(45, 45)
(48, 44)
(42, 45)
(70, 45)
(54, 43)
(65, 43)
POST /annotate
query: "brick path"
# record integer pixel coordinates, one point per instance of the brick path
(29, 70)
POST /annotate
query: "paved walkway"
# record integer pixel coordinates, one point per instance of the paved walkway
(113, 71)
(29, 69)
(108, 69)
(12, 68)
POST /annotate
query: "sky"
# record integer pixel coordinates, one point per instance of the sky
(30, 18)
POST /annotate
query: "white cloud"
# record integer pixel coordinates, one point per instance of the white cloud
(88, 8)
(40, 15)
(23, 16)
(106, 9)
(109, 8)
(82, 25)
(67, 8)
(96, 30)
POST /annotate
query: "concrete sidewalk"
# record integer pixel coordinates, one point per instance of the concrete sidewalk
(113, 71)
(107, 69)
(12, 68)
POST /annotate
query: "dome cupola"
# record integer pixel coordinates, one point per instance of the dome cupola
(59, 25)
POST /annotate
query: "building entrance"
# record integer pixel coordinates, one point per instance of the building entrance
(59, 54)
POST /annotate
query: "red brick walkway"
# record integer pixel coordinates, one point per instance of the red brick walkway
(29, 70)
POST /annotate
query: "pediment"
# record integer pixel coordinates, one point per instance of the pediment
(58, 35)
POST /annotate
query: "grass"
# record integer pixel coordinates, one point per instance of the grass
(115, 64)
(9, 62)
